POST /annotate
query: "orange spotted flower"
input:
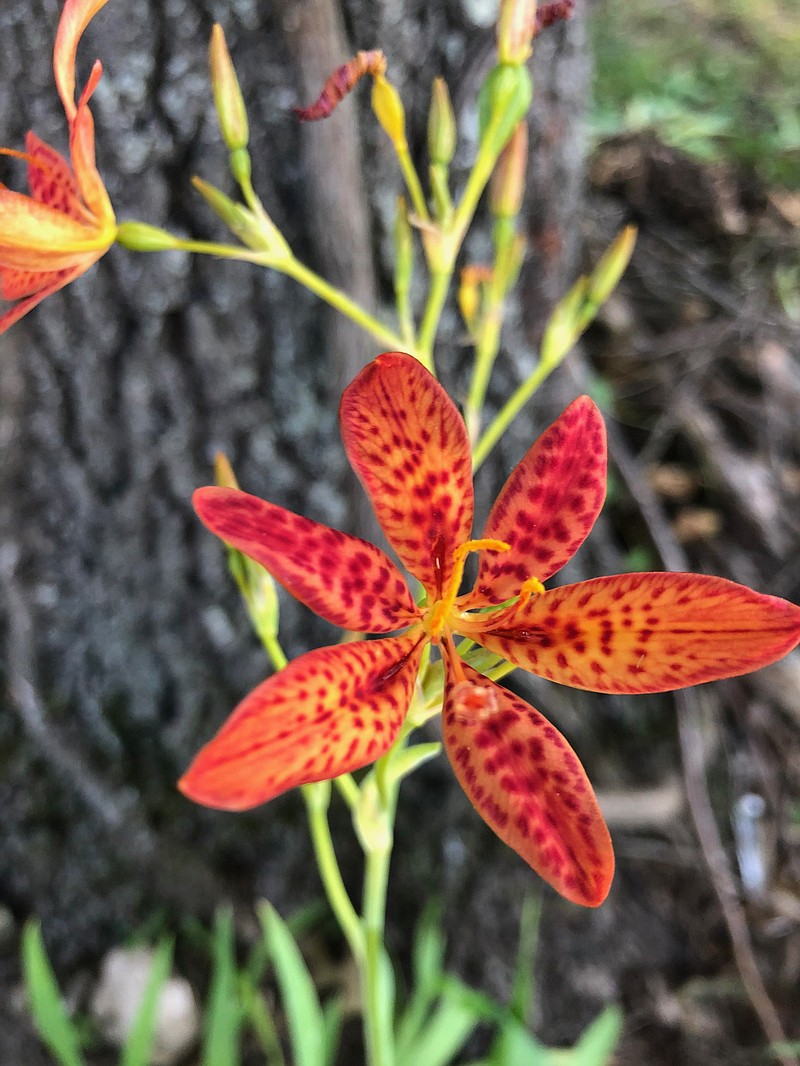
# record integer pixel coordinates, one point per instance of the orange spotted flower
(339, 708)
(67, 223)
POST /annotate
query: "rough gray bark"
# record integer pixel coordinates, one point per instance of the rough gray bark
(124, 644)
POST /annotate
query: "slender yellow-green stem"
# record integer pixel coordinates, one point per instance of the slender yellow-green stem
(509, 412)
(449, 244)
(488, 340)
(440, 283)
(293, 268)
(274, 650)
(376, 878)
(343, 303)
(348, 789)
(317, 797)
(413, 184)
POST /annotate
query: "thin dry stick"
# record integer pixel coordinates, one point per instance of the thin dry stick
(691, 738)
(691, 735)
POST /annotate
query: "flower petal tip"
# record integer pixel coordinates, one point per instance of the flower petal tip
(528, 785)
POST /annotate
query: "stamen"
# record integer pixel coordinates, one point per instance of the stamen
(531, 587)
(445, 604)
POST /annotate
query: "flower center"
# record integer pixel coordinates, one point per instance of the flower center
(442, 608)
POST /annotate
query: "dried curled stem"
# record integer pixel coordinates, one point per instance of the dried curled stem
(341, 82)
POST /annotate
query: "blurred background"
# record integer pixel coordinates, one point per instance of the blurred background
(123, 642)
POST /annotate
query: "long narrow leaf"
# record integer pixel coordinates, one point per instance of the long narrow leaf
(515, 1045)
(300, 1001)
(261, 1022)
(599, 1040)
(49, 1014)
(223, 1013)
(427, 960)
(443, 1035)
(140, 1039)
(523, 987)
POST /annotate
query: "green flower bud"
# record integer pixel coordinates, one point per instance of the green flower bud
(228, 98)
(141, 237)
(442, 131)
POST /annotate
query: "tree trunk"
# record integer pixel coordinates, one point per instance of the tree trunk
(124, 642)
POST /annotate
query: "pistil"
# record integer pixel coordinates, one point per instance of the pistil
(444, 606)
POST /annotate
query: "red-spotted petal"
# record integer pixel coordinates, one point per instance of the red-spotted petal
(548, 505)
(51, 180)
(528, 785)
(327, 713)
(35, 236)
(645, 632)
(15, 284)
(408, 444)
(51, 283)
(342, 578)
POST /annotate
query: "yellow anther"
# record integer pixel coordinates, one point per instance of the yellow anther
(445, 604)
(531, 587)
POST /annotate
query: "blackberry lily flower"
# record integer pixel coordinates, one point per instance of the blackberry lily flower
(339, 708)
(67, 223)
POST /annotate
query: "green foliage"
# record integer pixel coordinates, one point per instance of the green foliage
(439, 1015)
(223, 1010)
(313, 1035)
(51, 1019)
(719, 82)
(140, 1039)
(59, 1032)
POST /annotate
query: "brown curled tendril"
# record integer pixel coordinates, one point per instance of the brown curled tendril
(341, 82)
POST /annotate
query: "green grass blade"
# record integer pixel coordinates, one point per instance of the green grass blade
(427, 963)
(44, 998)
(300, 1001)
(260, 1020)
(444, 1034)
(140, 1039)
(599, 1040)
(223, 1013)
(523, 986)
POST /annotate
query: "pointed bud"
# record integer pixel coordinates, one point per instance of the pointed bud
(253, 227)
(223, 472)
(504, 98)
(442, 132)
(141, 237)
(515, 28)
(389, 111)
(239, 219)
(228, 98)
(508, 180)
(605, 276)
(563, 327)
(469, 292)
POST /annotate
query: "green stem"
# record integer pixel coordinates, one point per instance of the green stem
(349, 308)
(413, 183)
(341, 905)
(274, 650)
(293, 268)
(509, 412)
(348, 790)
(376, 878)
(488, 341)
(440, 283)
